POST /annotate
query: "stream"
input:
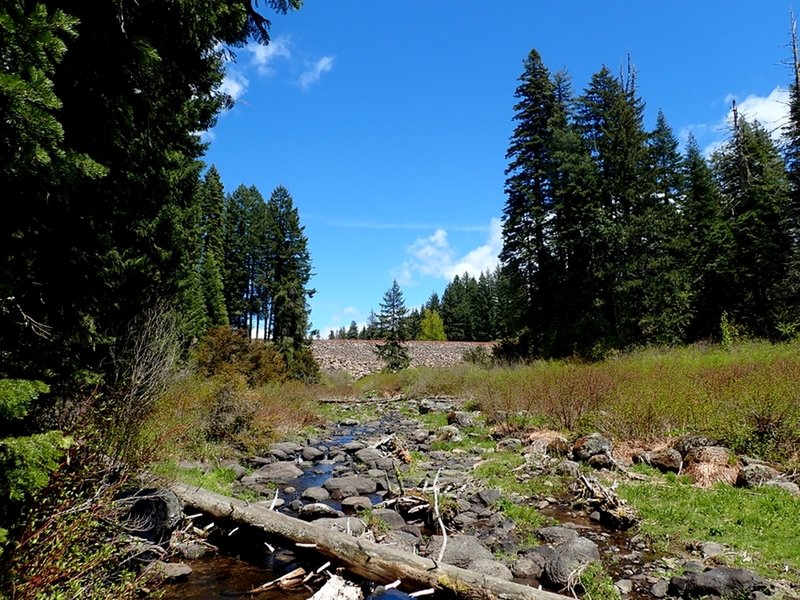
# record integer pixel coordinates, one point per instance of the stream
(245, 561)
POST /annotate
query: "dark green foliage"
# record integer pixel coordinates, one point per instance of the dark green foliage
(755, 245)
(392, 327)
(26, 461)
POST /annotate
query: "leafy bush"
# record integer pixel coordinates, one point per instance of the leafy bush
(227, 352)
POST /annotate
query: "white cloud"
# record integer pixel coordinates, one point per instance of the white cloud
(234, 84)
(771, 111)
(435, 257)
(315, 71)
(263, 56)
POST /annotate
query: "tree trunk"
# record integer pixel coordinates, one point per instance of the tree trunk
(381, 564)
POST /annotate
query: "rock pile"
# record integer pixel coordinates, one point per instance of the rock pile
(358, 358)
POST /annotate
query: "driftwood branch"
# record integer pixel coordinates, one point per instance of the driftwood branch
(381, 564)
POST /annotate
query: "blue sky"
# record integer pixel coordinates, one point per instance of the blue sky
(388, 122)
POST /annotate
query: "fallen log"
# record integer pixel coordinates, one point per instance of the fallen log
(380, 564)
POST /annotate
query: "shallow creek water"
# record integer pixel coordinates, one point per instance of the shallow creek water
(246, 563)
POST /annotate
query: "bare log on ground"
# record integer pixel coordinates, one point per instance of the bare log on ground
(381, 564)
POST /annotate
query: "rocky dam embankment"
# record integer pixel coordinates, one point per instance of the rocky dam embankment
(358, 357)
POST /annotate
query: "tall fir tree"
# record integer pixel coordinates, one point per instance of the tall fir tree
(529, 203)
(755, 205)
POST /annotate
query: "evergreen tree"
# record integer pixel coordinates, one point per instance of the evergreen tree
(352, 331)
(391, 323)
(528, 209)
(756, 249)
(290, 271)
(431, 326)
(212, 203)
(704, 231)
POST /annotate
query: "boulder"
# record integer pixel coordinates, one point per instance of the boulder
(460, 418)
(724, 582)
(277, 472)
(591, 445)
(361, 485)
(349, 525)
(354, 503)
(402, 540)
(369, 455)
(754, 475)
(168, 572)
(667, 460)
(529, 566)
(493, 568)
(509, 444)
(317, 494)
(390, 517)
(685, 444)
(311, 453)
(449, 433)
(461, 550)
(556, 535)
(317, 510)
(785, 485)
(153, 514)
(567, 557)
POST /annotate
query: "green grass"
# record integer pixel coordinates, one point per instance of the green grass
(220, 480)
(761, 526)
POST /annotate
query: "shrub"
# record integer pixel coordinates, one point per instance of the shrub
(227, 352)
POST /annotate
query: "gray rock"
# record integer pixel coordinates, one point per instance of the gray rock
(460, 418)
(191, 550)
(353, 446)
(660, 589)
(317, 494)
(711, 549)
(509, 444)
(567, 467)
(692, 566)
(449, 433)
(715, 455)
(493, 568)
(567, 557)
(465, 520)
(754, 475)
(285, 448)
(419, 435)
(719, 581)
(311, 453)
(169, 572)
(685, 444)
(348, 422)
(317, 510)
(361, 485)
(591, 445)
(461, 550)
(530, 566)
(369, 455)
(489, 497)
(556, 535)
(428, 406)
(390, 517)
(356, 503)
(234, 466)
(278, 472)
(600, 461)
(402, 540)
(289, 489)
(625, 586)
(784, 485)
(667, 460)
